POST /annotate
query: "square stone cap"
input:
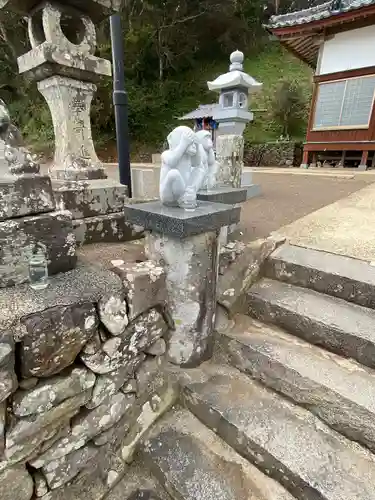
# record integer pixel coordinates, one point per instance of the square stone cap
(96, 9)
(180, 223)
(228, 195)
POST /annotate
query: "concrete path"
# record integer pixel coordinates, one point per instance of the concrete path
(346, 227)
(343, 173)
(286, 198)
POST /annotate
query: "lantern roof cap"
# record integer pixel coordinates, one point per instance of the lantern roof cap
(236, 77)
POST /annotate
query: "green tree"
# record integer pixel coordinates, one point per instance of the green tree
(289, 108)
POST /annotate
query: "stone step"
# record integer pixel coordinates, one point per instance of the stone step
(138, 484)
(287, 442)
(194, 464)
(349, 279)
(339, 391)
(341, 327)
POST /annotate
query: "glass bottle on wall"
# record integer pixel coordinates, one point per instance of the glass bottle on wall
(38, 267)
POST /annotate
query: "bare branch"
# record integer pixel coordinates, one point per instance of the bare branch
(183, 20)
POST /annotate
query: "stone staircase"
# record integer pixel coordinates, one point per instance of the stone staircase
(286, 410)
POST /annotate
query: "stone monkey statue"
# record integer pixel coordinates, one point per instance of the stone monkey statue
(182, 169)
(210, 163)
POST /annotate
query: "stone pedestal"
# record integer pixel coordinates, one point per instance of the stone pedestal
(227, 195)
(186, 244)
(252, 189)
(97, 209)
(26, 195)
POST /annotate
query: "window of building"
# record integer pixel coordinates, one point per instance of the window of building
(344, 103)
(228, 100)
(242, 100)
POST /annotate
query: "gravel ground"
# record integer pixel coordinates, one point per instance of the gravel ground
(286, 198)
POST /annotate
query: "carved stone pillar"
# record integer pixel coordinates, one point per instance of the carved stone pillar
(69, 101)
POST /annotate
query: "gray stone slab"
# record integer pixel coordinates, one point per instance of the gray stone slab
(22, 429)
(138, 484)
(48, 60)
(96, 9)
(144, 284)
(341, 327)
(194, 464)
(63, 470)
(349, 279)
(242, 273)
(83, 284)
(109, 228)
(179, 223)
(227, 195)
(8, 378)
(99, 197)
(85, 426)
(339, 391)
(54, 230)
(55, 337)
(49, 393)
(287, 442)
(16, 484)
(252, 191)
(20, 196)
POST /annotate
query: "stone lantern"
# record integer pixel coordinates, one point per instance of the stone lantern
(63, 63)
(235, 88)
(232, 114)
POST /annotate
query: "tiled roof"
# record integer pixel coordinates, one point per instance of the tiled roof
(316, 13)
(203, 111)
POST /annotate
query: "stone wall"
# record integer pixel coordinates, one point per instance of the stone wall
(83, 374)
(81, 378)
(273, 154)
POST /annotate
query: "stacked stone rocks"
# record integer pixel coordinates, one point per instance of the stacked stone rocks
(77, 370)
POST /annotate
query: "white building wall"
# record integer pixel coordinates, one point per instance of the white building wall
(347, 50)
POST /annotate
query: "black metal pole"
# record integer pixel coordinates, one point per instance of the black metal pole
(120, 101)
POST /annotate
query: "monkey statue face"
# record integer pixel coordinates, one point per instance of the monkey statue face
(204, 138)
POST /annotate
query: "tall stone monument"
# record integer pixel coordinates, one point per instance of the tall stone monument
(235, 89)
(63, 63)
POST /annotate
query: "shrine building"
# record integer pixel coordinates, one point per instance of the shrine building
(337, 39)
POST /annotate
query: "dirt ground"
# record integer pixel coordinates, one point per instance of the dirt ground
(286, 198)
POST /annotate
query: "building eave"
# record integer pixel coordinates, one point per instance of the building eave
(303, 40)
(323, 14)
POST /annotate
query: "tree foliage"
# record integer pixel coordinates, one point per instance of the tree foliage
(289, 108)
